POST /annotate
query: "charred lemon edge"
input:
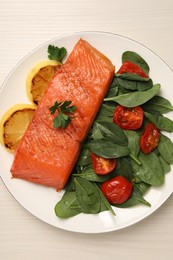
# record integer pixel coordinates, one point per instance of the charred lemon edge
(33, 72)
(6, 117)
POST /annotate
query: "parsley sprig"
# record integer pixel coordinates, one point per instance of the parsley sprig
(56, 53)
(65, 111)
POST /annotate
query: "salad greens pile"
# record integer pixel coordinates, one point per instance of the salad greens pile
(106, 139)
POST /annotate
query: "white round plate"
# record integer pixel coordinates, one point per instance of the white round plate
(40, 201)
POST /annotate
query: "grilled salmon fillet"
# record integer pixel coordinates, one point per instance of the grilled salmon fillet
(47, 155)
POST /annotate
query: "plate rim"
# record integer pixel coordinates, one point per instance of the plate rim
(33, 51)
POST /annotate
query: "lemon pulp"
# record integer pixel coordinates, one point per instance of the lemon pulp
(14, 124)
(38, 79)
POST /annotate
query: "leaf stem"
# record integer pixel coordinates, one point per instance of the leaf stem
(109, 99)
(135, 159)
(104, 200)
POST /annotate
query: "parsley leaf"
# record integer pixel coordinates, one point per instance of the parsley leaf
(64, 116)
(56, 53)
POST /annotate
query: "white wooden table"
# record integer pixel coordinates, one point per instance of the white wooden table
(24, 25)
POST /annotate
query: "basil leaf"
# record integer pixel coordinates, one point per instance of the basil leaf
(151, 170)
(161, 122)
(135, 98)
(108, 149)
(68, 206)
(137, 59)
(87, 196)
(165, 148)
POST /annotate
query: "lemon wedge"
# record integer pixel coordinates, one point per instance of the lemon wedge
(14, 123)
(38, 79)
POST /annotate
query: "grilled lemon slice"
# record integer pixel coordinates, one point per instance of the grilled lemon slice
(39, 77)
(14, 124)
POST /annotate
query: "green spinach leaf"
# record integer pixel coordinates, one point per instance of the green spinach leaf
(68, 206)
(96, 132)
(132, 85)
(113, 90)
(70, 184)
(124, 168)
(144, 85)
(151, 170)
(161, 122)
(137, 59)
(135, 98)
(166, 166)
(84, 158)
(113, 132)
(106, 110)
(87, 195)
(133, 144)
(142, 187)
(135, 199)
(132, 77)
(127, 84)
(165, 148)
(105, 205)
(159, 104)
(89, 174)
(108, 149)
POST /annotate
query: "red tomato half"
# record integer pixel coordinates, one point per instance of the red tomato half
(102, 165)
(150, 138)
(129, 118)
(130, 67)
(117, 190)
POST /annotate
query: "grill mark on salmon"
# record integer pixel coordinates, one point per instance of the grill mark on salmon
(47, 155)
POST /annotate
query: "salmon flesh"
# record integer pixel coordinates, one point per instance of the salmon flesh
(47, 155)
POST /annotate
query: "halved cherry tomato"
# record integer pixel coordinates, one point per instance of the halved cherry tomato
(130, 67)
(102, 165)
(129, 118)
(117, 190)
(150, 138)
